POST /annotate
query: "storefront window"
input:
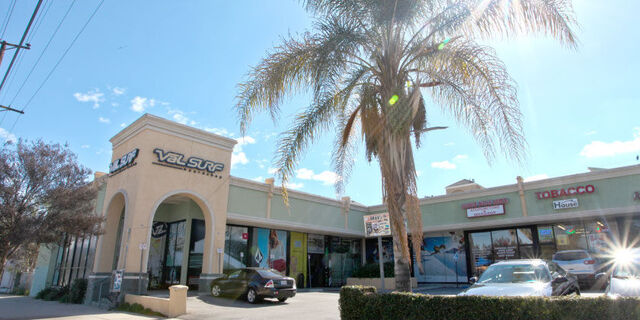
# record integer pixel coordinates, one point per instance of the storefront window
(235, 247)
(443, 259)
(344, 258)
(570, 236)
(481, 251)
(196, 249)
(278, 250)
(505, 244)
(174, 256)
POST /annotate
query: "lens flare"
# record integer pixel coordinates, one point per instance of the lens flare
(441, 45)
(622, 256)
(393, 99)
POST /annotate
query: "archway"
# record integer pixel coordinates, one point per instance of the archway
(108, 257)
(177, 242)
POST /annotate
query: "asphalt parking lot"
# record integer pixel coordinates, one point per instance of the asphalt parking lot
(305, 305)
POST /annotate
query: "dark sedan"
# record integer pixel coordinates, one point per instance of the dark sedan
(254, 284)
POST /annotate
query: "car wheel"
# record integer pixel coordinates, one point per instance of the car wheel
(252, 296)
(282, 299)
(216, 291)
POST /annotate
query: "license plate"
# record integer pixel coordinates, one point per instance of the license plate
(283, 282)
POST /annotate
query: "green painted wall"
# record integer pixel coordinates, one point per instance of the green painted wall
(309, 212)
(247, 201)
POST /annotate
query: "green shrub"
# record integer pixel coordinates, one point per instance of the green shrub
(56, 293)
(77, 291)
(372, 270)
(138, 308)
(42, 293)
(20, 291)
(357, 302)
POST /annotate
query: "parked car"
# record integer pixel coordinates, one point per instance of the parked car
(624, 280)
(254, 284)
(526, 277)
(579, 263)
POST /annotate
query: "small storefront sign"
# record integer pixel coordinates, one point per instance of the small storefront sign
(485, 203)
(485, 211)
(123, 162)
(377, 225)
(565, 204)
(117, 276)
(315, 243)
(571, 191)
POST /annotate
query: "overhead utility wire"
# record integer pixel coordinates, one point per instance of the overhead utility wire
(43, 51)
(7, 17)
(24, 35)
(58, 63)
(39, 19)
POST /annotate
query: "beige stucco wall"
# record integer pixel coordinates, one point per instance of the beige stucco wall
(146, 185)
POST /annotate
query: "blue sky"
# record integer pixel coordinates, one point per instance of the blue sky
(182, 61)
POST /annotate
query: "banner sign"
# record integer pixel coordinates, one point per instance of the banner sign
(123, 162)
(565, 204)
(315, 243)
(117, 276)
(159, 229)
(377, 225)
(485, 203)
(485, 211)
(176, 160)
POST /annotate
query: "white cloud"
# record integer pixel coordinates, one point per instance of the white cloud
(7, 136)
(449, 144)
(597, 149)
(179, 116)
(443, 165)
(220, 131)
(272, 170)
(292, 185)
(238, 157)
(94, 96)
(122, 125)
(536, 177)
(114, 104)
(85, 146)
(243, 141)
(460, 157)
(118, 91)
(326, 177)
(418, 173)
(104, 120)
(590, 133)
(140, 104)
(259, 179)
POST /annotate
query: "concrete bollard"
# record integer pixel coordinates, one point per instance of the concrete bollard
(177, 300)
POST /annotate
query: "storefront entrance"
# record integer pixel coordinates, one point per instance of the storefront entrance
(176, 245)
(488, 247)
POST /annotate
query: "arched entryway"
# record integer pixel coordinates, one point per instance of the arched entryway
(176, 247)
(110, 243)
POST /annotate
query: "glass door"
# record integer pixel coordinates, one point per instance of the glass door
(174, 254)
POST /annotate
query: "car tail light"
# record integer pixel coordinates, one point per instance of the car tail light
(269, 284)
(591, 261)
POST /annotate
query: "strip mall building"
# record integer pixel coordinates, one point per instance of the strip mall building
(175, 215)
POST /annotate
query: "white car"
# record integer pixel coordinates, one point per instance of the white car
(532, 277)
(577, 262)
(625, 277)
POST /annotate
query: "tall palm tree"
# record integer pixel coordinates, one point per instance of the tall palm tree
(368, 63)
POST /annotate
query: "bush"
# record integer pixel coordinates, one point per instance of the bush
(42, 293)
(77, 291)
(55, 293)
(20, 291)
(372, 270)
(357, 302)
(138, 308)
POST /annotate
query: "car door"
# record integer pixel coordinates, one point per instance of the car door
(230, 285)
(559, 287)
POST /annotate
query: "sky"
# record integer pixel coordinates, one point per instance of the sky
(182, 60)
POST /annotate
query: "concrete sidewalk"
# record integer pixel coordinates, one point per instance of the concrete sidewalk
(20, 307)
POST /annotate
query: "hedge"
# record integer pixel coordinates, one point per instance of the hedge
(358, 302)
(372, 270)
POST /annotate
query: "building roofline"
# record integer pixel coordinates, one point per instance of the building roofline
(152, 122)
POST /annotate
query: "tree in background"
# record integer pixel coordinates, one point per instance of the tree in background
(44, 194)
(367, 65)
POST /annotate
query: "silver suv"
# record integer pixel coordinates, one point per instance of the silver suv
(579, 263)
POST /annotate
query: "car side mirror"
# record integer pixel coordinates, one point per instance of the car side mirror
(473, 280)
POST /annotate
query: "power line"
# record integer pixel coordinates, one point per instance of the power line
(58, 63)
(24, 36)
(43, 51)
(5, 22)
(39, 19)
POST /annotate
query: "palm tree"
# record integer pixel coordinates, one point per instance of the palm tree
(368, 64)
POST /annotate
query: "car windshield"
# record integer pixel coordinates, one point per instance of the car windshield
(631, 270)
(269, 273)
(568, 256)
(515, 273)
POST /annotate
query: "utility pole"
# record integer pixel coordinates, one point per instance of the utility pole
(3, 48)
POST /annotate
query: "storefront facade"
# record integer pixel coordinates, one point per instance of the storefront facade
(175, 215)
